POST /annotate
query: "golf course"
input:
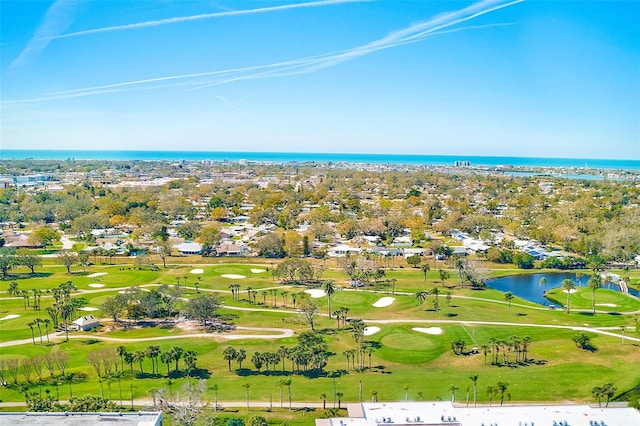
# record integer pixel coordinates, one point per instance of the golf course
(424, 339)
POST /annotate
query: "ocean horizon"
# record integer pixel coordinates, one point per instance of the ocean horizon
(303, 157)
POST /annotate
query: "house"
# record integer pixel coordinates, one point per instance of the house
(229, 250)
(342, 250)
(459, 251)
(86, 323)
(189, 248)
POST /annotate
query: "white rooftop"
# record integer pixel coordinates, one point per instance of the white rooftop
(442, 413)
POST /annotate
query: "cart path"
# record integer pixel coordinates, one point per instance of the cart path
(283, 333)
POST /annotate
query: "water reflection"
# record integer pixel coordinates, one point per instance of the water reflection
(528, 286)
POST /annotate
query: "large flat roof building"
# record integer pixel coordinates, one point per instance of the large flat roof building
(141, 418)
(448, 414)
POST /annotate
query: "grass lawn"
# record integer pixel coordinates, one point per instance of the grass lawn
(403, 360)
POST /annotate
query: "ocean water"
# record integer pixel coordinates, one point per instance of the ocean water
(280, 157)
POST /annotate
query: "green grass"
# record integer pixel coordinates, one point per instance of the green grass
(404, 357)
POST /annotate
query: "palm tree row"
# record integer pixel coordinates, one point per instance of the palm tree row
(38, 323)
(309, 354)
(169, 357)
(518, 346)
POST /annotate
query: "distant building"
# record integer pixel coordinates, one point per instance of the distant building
(86, 323)
(448, 414)
(141, 418)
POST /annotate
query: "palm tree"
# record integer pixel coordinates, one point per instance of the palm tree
(190, 359)
(453, 390)
(594, 283)
(215, 402)
(339, 395)
(421, 296)
(474, 379)
(444, 276)
(152, 353)
(118, 377)
(176, 353)
(46, 322)
(241, 355)
(543, 283)
(69, 379)
(323, 396)
(502, 389)
(246, 386)
(459, 264)
(328, 288)
(485, 350)
(30, 325)
(283, 352)
(167, 358)
(491, 392)
(508, 296)
(287, 383)
(568, 286)
(436, 304)
(121, 350)
(425, 268)
(280, 383)
(138, 356)
(229, 354)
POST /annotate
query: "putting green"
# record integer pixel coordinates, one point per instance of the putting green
(408, 341)
(349, 298)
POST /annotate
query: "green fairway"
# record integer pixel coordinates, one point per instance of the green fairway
(403, 360)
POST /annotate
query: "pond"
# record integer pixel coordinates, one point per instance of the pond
(528, 286)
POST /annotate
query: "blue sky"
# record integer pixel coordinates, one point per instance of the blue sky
(510, 78)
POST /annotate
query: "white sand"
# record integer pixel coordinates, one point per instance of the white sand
(197, 271)
(89, 308)
(573, 290)
(430, 330)
(8, 317)
(258, 271)
(97, 274)
(96, 285)
(315, 293)
(233, 276)
(611, 305)
(385, 301)
(370, 330)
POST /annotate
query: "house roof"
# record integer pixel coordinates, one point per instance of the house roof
(190, 247)
(86, 320)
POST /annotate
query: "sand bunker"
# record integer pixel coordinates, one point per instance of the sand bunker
(315, 293)
(429, 330)
(96, 285)
(97, 274)
(8, 317)
(385, 301)
(258, 271)
(88, 308)
(233, 276)
(573, 290)
(197, 271)
(370, 330)
(611, 305)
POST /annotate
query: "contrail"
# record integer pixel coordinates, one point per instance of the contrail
(180, 19)
(411, 34)
(437, 25)
(57, 19)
